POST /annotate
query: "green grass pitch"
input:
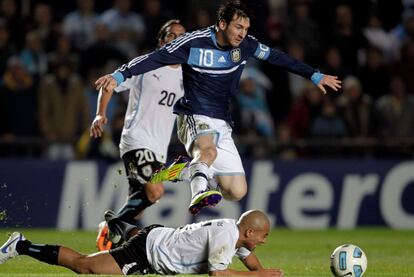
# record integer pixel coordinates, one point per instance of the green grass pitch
(298, 253)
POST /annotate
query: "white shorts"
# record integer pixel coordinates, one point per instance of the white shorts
(228, 161)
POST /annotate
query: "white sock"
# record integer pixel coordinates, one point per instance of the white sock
(198, 175)
(212, 184)
(184, 174)
(212, 181)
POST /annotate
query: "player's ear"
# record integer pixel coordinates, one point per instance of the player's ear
(249, 232)
(222, 24)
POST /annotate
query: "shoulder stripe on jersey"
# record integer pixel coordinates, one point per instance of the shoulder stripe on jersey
(178, 40)
(187, 35)
(137, 59)
(133, 62)
(172, 48)
(218, 71)
(123, 67)
(252, 37)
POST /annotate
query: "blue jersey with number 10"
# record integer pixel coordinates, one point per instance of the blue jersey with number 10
(211, 74)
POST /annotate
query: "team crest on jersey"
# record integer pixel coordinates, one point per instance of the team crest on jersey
(147, 170)
(235, 55)
(203, 126)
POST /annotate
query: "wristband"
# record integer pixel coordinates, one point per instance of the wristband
(119, 78)
(316, 78)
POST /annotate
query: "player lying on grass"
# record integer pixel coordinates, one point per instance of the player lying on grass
(198, 248)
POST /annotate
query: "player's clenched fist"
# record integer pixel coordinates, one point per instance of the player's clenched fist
(106, 82)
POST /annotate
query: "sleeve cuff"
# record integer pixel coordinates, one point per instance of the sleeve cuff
(316, 78)
(119, 78)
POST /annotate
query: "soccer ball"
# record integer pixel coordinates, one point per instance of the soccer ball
(348, 260)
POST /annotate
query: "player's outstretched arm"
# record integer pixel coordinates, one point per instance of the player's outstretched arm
(289, 63)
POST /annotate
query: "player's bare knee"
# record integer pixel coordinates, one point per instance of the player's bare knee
(235, 193)
(208, 154)
(154, 192)
(236, 196)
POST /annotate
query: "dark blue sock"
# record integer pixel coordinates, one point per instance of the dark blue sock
(137, 202)
(43, 252)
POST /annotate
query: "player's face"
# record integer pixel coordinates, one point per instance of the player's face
(174, 31)
(257, 238)
(236, 30)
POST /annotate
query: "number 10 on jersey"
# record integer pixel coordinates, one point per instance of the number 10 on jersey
(206, 57)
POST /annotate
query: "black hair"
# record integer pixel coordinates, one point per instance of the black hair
(162, 33)
(230, 8)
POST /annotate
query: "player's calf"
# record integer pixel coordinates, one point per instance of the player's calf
(154, 192)
(234, 194)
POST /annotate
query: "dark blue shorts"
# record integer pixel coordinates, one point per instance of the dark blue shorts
(131, 257)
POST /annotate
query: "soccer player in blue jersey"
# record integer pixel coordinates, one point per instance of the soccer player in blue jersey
(212, 62)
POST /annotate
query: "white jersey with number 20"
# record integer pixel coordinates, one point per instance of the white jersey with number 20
(149, 119)
(195, 248)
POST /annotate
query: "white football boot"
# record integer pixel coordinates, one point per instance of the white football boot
(8, 249)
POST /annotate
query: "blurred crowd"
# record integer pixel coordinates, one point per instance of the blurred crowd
(51, 52)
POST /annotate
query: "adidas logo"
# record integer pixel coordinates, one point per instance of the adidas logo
(222, 59)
